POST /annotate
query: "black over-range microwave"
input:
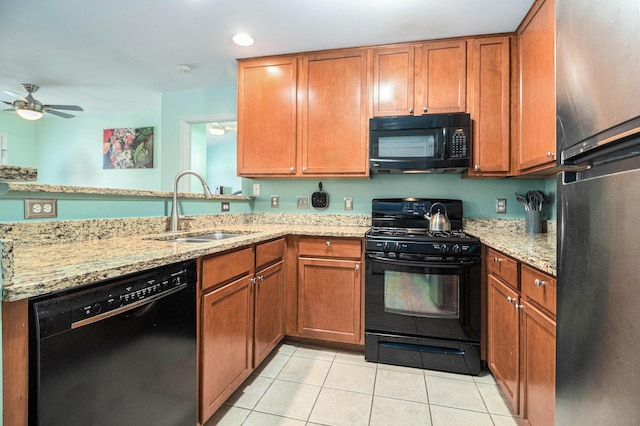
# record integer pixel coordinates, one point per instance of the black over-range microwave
(432, 143)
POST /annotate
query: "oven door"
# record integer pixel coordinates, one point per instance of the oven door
(423, 299)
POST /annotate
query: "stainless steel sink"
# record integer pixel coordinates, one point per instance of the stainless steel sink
(203, 238)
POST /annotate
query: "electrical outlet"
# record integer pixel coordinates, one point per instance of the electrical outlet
(38, 209)
(275, 201)
(256, 189)
(224, 206)
(348, 203)
(501, 205)
(303, 201)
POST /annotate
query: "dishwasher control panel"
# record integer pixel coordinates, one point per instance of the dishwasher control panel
(62, 310)
(136, 289)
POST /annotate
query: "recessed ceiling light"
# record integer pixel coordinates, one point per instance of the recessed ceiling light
(185, 69)
(243, 39)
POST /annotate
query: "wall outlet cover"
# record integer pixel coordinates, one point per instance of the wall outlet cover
(275, 201)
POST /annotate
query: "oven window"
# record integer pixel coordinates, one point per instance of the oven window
(423, 295)
(419, 146)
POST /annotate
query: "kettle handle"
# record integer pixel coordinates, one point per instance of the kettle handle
(443, 206)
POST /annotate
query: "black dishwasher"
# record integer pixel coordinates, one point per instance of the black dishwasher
(117, 352)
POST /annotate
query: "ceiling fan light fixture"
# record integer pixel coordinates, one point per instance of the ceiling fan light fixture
(243, 39)
(216, 131)
(29, 113)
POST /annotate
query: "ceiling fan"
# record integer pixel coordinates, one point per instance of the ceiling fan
(30, 108)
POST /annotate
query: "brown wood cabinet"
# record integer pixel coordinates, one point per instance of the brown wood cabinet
(537, 117)
(241, 320)
(503, 339)
(304, 115)
(521, 336)
(269, 299)
(419, 79)
(267, 116)
(226, 338)
(330, 289)
(334, 113)
(490, 105)
(538, 347)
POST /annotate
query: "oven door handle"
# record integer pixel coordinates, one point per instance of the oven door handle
(417, 263)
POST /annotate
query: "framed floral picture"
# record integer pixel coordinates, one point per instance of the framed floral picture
(127, 148)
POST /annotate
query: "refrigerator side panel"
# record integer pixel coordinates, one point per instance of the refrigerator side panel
(598, 320)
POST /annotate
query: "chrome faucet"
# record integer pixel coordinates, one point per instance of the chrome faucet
(174, 206)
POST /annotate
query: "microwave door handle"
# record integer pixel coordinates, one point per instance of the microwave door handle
(443, 154)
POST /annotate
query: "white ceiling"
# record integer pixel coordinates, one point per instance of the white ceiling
(108, 55)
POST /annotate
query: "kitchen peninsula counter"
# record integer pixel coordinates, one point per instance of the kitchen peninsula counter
(72, 253)
(508, 236)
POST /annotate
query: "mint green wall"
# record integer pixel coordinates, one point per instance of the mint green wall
(178, 105)
(478, 195)
(22, 136)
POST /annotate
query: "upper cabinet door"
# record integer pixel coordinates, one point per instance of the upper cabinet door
(267, 116)
(536, 39)
(441, 76)
(489, 105)
(334, 113)
(393, 81)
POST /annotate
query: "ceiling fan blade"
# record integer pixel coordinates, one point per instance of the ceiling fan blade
(8, 103)
(59, 114)
(67, 107)
(15, 95)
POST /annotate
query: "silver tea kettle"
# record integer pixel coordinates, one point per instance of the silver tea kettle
(438, 221)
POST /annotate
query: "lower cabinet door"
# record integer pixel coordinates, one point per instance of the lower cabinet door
(269, 311)
(503, 338)
(227, 334)
(329, 302)
(538, 373)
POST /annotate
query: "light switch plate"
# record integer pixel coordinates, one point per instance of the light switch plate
(348, 203)
(302, 201)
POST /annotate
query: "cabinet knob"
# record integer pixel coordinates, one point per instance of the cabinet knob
(511, 299)
(497, 260)
(518, 307)
(304, 168)
(357, 266)
(424, 109)
(292, 169)
(252, 280)
(476, 167)
(551, 154)
(328, 243)
(261, 278)
(539, 283)
(411, 110)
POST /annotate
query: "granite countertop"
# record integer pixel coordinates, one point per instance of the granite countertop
(17, 173)
(42, 257)
(508, 236)
(39, 267)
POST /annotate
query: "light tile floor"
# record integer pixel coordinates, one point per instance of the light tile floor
(305, 385)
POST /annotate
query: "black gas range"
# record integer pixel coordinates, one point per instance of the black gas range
(399, 227)
(422, 288)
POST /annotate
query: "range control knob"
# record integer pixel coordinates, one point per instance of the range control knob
(456, 249)
(396, 246)
(444, 248)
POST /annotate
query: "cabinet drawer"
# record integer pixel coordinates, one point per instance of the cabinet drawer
(330, 247)
(503, 266)
(269, 252)
(222, 268)
(539, 287)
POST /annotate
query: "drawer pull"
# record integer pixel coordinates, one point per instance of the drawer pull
(497, 259)
(539, 283)
(328, 243)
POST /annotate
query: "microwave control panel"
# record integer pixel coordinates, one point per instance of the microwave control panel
(459, 144)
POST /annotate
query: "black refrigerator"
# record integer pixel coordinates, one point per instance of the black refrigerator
(598, 137)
